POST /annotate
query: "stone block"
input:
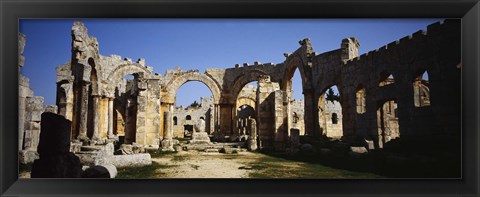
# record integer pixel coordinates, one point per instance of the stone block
(135, 160)
(55, 135)
(96, 172)
(228, 150)
(359, 149)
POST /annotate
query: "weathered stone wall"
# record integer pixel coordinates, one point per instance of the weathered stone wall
(203, 111)
(358, 78)
(436, 50)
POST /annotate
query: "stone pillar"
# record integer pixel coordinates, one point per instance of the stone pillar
(110, 118)
(308, 111)
(252, 138)
(83, 112)
(96, 116)
(167, 142)
(265, 111)
(216, 121)
(280, 120)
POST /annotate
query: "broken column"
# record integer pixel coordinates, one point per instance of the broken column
(252, 138)
(56, 160)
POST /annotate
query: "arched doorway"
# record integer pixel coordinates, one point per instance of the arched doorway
(193, 101)
(330, 113)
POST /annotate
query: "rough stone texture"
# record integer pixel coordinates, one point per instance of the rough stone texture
(182, 126)
(140, 104)
(135, 160)
(252, 139)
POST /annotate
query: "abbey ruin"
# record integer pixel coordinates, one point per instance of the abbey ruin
(381, 95)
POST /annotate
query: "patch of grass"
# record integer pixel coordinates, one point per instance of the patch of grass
(140, 172)
(272, 167)
(22, 168)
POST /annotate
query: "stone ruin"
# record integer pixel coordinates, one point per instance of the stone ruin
(382, 95)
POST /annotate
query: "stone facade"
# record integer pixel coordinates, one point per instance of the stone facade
(184, 119)
(90, 92)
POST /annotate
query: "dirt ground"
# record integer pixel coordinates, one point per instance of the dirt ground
(193, 164)
(205, 165)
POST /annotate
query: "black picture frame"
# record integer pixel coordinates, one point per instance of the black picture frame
(11, 11)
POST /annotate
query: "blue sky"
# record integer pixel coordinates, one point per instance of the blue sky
(199, 43)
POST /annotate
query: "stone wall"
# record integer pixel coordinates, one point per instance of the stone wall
(359, 79)
(181, 124)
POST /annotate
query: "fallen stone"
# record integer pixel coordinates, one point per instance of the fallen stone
(96, 172)
(211, 150)
(178, 148)
(357, 149)
(135, 160)
(229, 150)
(126, 149)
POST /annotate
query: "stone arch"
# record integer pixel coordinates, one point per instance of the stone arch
(173, 86)
(244, 79)
(126, 69)
(300, 59)
(329, 121)
(292, 63)
(246, 101)
(386, 78)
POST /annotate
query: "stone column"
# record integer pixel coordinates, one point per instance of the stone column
(110, 118)
(83, 115)
(96, 117)
(167, 143)
(252, 138)
(308, 111)
(216, 120)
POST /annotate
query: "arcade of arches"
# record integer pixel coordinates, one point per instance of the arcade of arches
(379, 95)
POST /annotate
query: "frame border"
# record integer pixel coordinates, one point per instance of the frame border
(11, 11)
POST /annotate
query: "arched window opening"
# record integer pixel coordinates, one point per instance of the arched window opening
(386, 79)
(175, 120)
(421, 90)
(387, 121)
(188, 117)
(330, 113)
(360, 100)
(334, 118)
